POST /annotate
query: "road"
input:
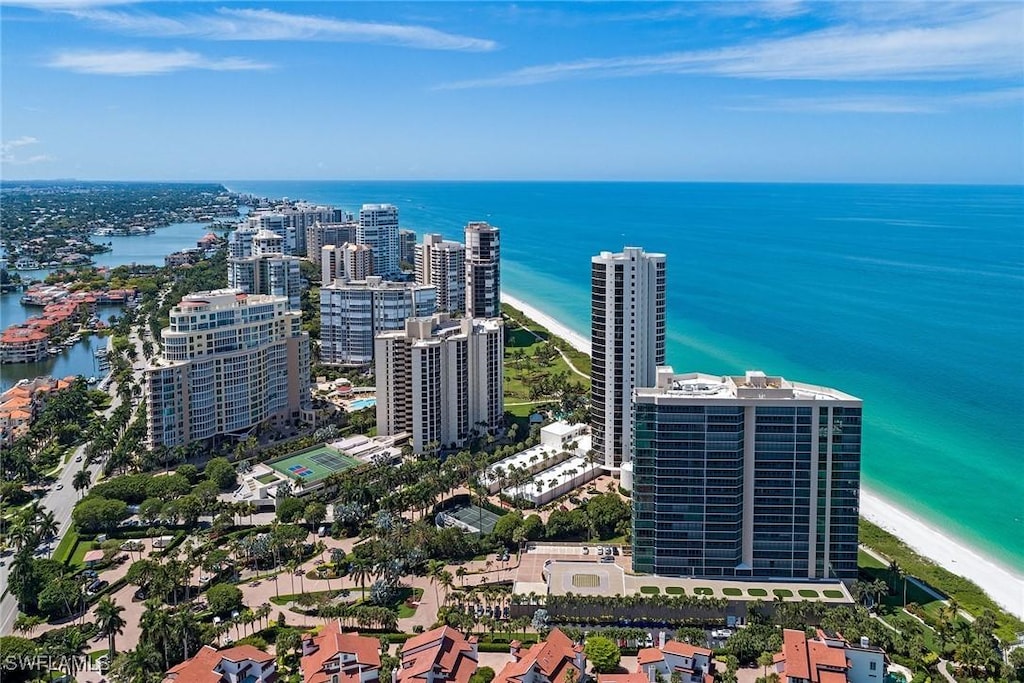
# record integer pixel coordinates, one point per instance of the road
(61, 503)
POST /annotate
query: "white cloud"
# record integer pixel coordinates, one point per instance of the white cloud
(9, 156)
(988, 44)
(270, 25)
(145, 62)
(885, 104)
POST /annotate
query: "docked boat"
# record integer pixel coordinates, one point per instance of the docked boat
(27, 264)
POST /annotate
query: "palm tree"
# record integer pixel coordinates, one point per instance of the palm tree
(156, 627)
(46, 525)
(434, 569)
(765, 659)
(81, 481)
(110, 622)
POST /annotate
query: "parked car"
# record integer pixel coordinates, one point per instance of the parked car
(600, 550)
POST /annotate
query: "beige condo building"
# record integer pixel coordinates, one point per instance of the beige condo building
(440, 380)
(230, 361)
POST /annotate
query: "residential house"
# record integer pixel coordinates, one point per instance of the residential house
(239, 664)
(335, 657)
(442, 655)
(694, 664)
(557, 660)
(828, 659)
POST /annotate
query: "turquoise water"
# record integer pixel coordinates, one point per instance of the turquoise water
(910, 297)
(361, 403)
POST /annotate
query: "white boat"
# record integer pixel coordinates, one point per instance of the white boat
(27, 264)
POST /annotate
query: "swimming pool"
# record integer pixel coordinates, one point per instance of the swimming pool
(361, 403)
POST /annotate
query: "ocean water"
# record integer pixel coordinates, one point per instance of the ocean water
(910, 297)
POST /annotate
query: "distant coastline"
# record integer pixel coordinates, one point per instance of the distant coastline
(1001, 583)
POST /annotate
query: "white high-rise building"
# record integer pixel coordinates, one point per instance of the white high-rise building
(442, 263)
(483, 271)
(347, 262)
(353, 312)
(440, 381)
(378, 229)
(627, 340)
(230, 362)
(290, 220)
(266, 269)
(240, 241)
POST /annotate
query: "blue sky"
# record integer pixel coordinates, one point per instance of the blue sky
(704, 91)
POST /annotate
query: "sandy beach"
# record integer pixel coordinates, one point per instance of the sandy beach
(1005, 586)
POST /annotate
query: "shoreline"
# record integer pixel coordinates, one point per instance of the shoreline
(1001, 584)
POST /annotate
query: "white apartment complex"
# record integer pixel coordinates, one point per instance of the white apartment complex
(291, 221)
(378, 229)
(483, 271)
(353, 312)
(347, 262)
(230, 361)
(628, 342)
(440, 380)
(265, 269)
(442, 263)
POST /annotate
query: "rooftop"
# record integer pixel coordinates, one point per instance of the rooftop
(754, 385)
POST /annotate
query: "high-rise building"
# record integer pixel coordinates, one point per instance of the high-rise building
(442, 263)
(240, 241)
(378, 229)
(751, 476)
(406, 246)
(440, 380)
(230, 361)
(290, 220)
(353, 312)
(483, 271)
(627, 295)
(348, 262)
(320, 235)
(266, 269)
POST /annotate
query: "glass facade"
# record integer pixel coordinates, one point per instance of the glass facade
(696, 514)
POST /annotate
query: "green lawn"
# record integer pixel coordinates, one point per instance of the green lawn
(732, 592)
(782, 592)
(757, 592)
(78, 556)
(521, 374)
(701, 590)
(835, 595)
(66, 546)
(808, 593)
(675, 590)
(967, 593)
(650, 590)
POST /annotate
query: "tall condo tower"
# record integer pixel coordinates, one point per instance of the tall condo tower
(378, 229)
(440, 380)
(442, 263)
(230, 362)
(483, 271)
(265, 268)
(628, 342)
(748, 476)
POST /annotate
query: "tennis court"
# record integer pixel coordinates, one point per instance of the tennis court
(477, 518)
(314, 463)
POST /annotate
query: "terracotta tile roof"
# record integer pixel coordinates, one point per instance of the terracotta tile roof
(17, 402)
(649, 655)
(814, 661)
(330, 643)
(635, 677)
(682, 649)
(16, 335)
(443, 650)
(552, 657)
(202, 667)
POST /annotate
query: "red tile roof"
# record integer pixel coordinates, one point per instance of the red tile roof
(331, 642)
(202, 667)
(552, 658)
(635, 677)
(677, 647)
(649, 655)
(442, 650)
(814, 661)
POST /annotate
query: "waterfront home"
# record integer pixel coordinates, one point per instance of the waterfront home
(22, 344)
(20, 404)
